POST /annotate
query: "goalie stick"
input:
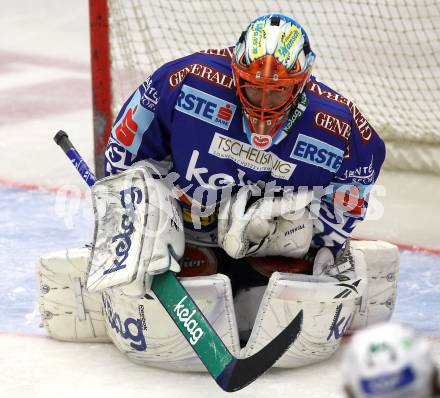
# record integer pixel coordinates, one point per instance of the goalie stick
(230, 373)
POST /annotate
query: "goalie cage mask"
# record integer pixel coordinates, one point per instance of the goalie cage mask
(272, 62)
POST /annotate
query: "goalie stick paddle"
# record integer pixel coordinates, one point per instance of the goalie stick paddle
(230, 373)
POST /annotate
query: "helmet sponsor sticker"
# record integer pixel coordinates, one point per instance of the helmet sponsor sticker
(317, 153)
(205, 107)
(247, 156)
(256, 35)
(133, 124)
(289, 45)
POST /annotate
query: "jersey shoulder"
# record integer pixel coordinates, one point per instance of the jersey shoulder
(338, 115)
(333, 109)
(204, 68)
(322, 96)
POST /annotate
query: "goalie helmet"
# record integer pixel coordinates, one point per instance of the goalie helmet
(271, 64)
(388, 361)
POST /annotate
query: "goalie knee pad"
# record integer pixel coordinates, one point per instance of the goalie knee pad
(377, 302)
(142, 329)
(68, 311)
(333, 305)
(139, 327)
(328, 306)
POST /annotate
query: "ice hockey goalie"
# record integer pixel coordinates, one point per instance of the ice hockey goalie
(248, 299)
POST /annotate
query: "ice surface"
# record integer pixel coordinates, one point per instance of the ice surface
(35, 223)
(418, 292)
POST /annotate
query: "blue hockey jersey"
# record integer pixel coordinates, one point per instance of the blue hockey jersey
(186, 120)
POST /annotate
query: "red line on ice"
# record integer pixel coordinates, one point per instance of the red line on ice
(412, 248)
(55, 189)
(40, 187)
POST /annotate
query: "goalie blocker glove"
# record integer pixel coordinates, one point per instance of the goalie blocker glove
(138, 231)
(270, 226)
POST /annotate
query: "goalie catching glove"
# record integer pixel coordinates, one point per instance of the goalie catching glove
(271, 226)
(138, 231)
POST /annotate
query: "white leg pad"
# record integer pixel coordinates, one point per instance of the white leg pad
(68, 311)
(327, 305)
(143, 331)
(139, 327)
(379, 298)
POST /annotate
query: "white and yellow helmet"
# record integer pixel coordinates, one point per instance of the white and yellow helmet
(272, 55)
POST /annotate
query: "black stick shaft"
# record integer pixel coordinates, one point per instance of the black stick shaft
(62, 139)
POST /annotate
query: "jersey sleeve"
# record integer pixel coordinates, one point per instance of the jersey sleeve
(344, 202)
(139, 132)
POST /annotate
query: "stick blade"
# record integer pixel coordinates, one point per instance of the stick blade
(241, 372)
